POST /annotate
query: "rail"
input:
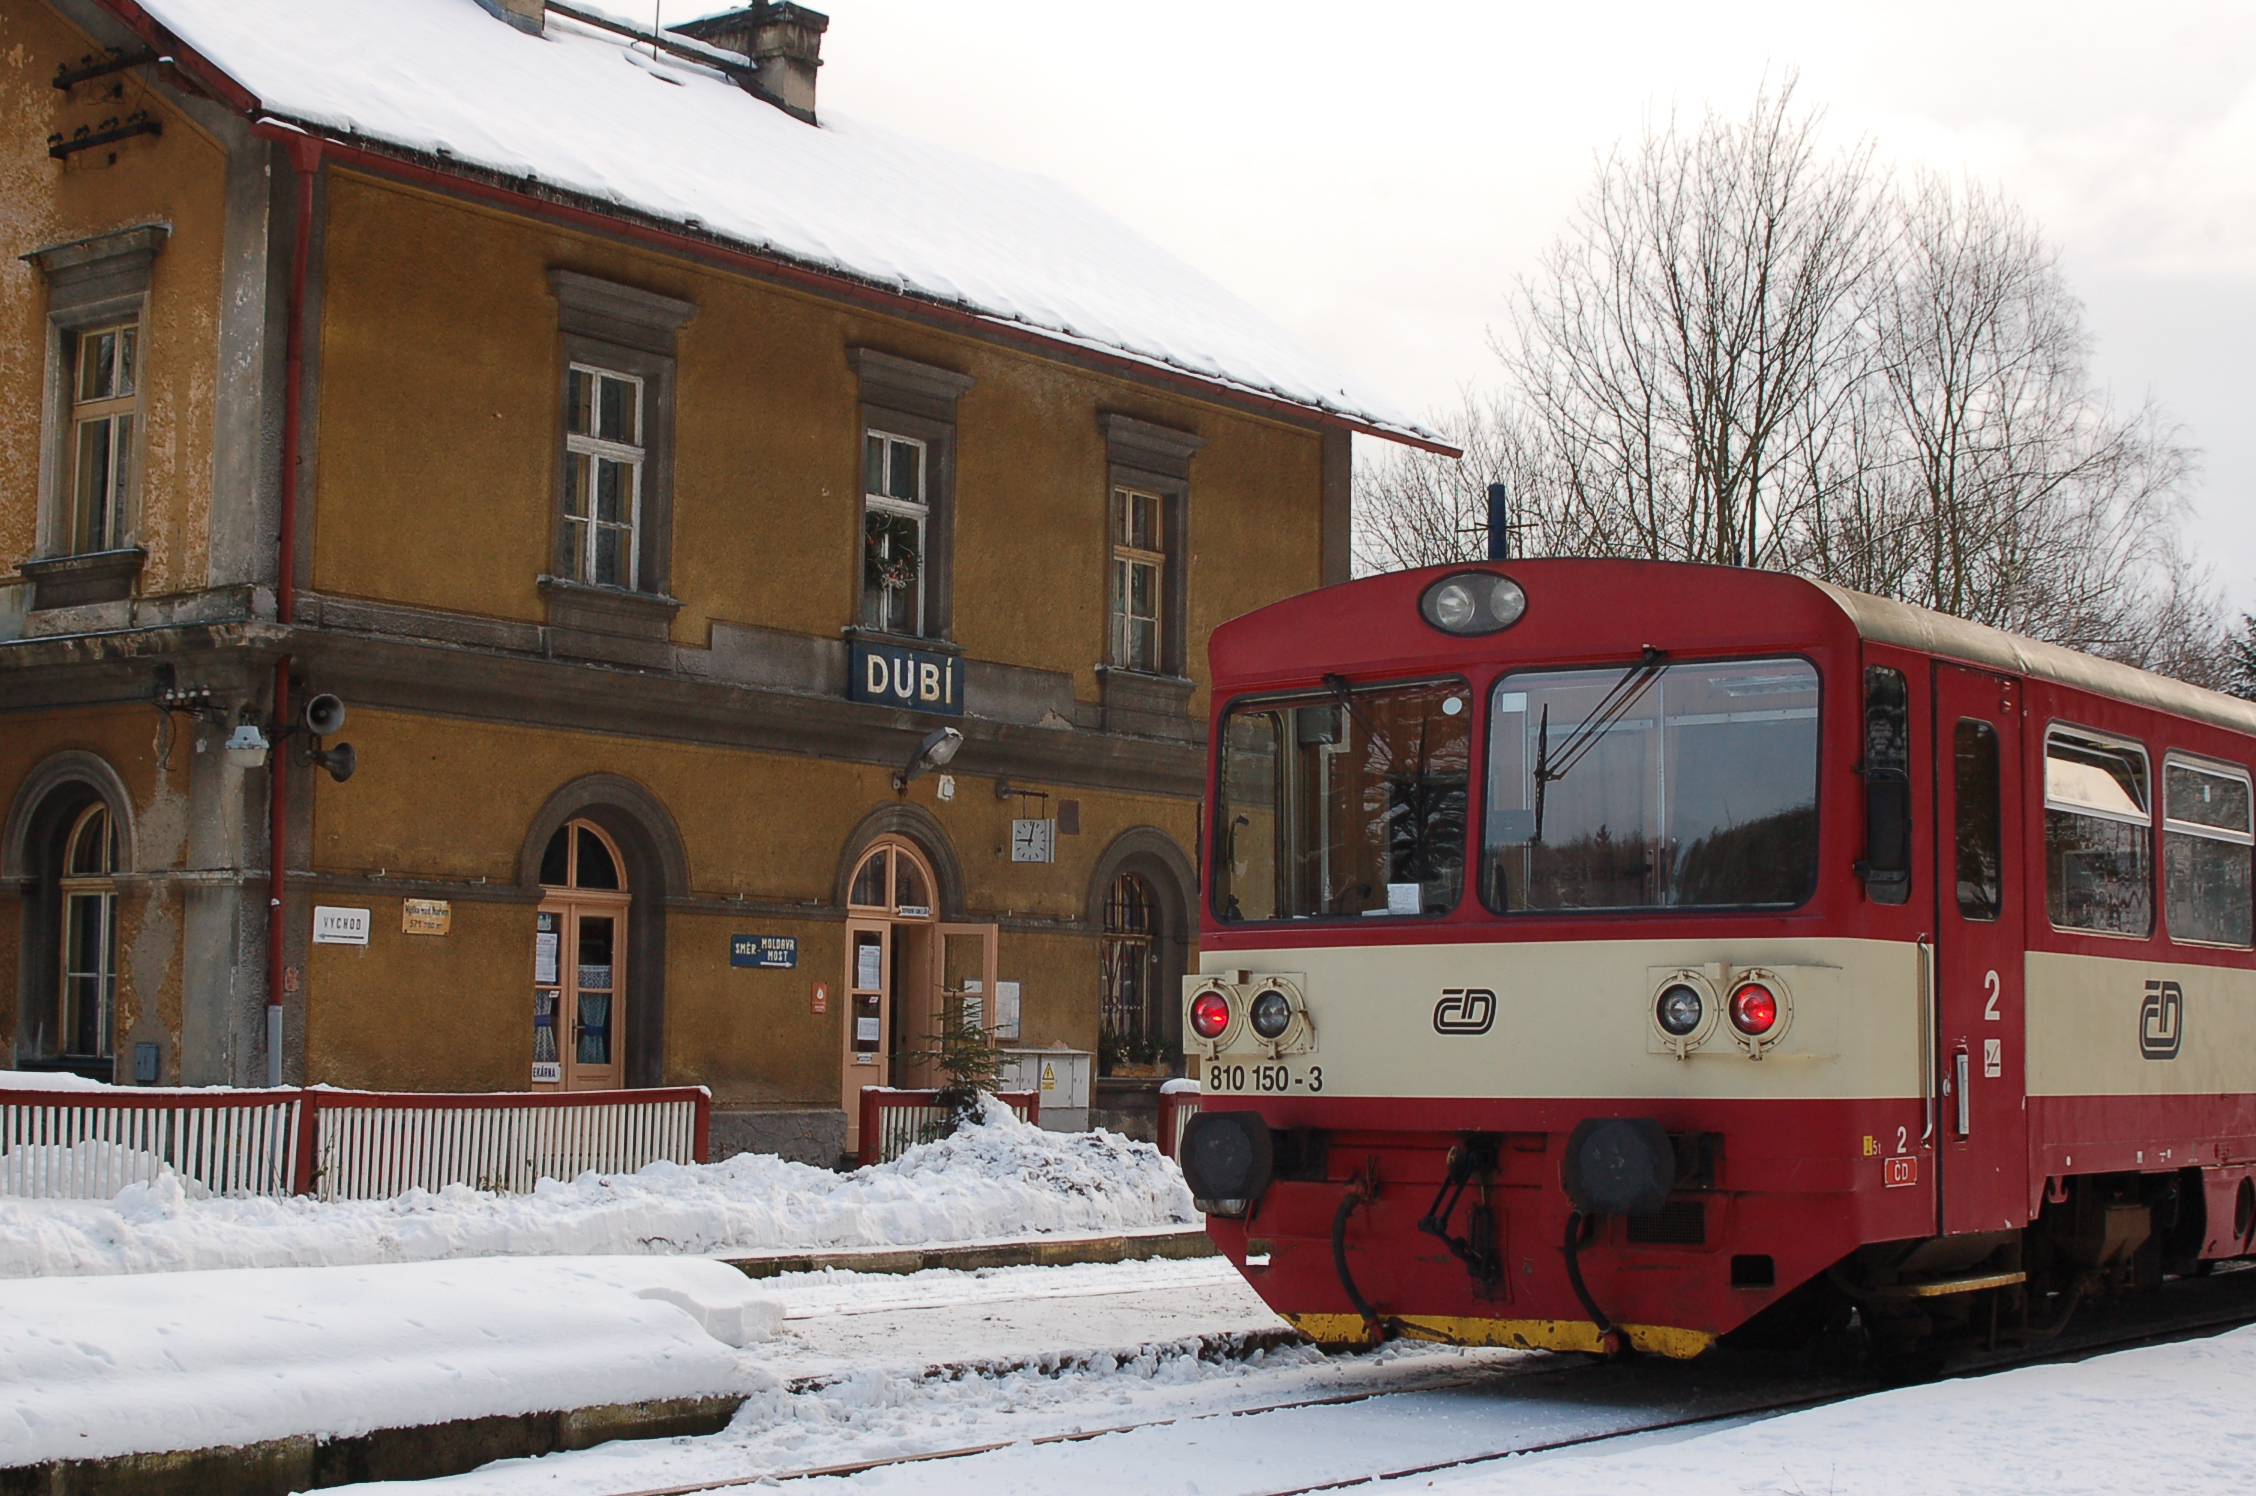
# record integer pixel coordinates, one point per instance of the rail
(336, 1145)
(894, 1121)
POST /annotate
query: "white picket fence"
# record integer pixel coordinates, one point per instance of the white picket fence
(895, 1120)
(374, 1148)
(337, 1145)
(59, 1145)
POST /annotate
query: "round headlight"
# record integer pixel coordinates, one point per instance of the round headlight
(1210, 1014)
(1754, 1010)
(1271, 1014)
(1679, 1010)
(1473, 602)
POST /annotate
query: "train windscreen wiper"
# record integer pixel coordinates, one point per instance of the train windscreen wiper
(1611, 708)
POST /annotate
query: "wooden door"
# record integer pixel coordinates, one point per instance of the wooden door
(580, 993)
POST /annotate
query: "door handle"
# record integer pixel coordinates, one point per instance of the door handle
(1965, 1099)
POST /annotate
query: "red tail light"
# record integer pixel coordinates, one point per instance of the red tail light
(1210, 1015)
(1754, 1010)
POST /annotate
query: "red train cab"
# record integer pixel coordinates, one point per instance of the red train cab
(1603, 952)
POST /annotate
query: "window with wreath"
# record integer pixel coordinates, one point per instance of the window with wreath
(896, 513)
(89, 936)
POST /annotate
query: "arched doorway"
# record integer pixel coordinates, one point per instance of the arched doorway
(1132, 1035)
(902, 964)
(580, 991)
(67, 846)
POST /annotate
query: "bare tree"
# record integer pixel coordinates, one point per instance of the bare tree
(1747, 350)
(1686, 332)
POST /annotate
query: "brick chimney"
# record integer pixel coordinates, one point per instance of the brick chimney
(784, 42)
(525, 15)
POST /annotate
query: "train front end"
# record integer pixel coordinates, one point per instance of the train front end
(1544, 997)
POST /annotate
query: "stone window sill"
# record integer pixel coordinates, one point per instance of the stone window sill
(72, 581)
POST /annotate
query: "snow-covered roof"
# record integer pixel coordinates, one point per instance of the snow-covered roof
(580, 110)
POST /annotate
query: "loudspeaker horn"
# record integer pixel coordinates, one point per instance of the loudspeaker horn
(324, 714)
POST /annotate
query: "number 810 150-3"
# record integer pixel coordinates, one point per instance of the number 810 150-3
(1271, 1080)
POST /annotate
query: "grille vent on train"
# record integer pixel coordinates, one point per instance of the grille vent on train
(1680, 1223)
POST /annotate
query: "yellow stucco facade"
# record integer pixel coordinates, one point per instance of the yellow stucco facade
(697, 710)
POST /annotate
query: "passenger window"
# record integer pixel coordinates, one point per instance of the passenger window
(2098, 825)
(1980, 847)
(1886, 867)
(2206, 852)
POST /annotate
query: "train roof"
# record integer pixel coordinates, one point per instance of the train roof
(1887, 621)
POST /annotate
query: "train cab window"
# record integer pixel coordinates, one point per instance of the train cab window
(1670, 786)
(1344, 803)
(2206, 851)
(2098, 835)
(1974, 745)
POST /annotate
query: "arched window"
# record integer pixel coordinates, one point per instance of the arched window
(892, 880)
(89, 935)
(1131, 1031)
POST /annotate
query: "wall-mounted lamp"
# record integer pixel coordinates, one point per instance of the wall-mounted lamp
(938, 747)
(246, 746)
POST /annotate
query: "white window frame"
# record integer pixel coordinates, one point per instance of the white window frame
(1127, 559)
(919, 510)
(100, 890)
(631, 456)
(112, 410)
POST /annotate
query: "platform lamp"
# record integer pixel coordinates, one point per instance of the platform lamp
(934, 752)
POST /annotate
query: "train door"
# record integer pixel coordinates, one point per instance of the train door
(1981, 1123)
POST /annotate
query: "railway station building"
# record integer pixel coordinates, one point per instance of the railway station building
(532, 557)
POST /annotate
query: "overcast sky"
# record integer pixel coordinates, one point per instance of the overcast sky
(1376, 177)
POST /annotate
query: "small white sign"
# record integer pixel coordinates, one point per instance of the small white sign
(339, 926)
(547, 1072)
(865, 1031)
(1405, 898)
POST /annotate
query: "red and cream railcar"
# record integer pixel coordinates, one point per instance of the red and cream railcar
(1604, 949)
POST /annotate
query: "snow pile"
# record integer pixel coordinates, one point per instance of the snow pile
(579, 109)
(999, 1179)
(2035, 1431)
(194, 1361)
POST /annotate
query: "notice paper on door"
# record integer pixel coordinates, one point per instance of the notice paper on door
(869, 966)
(544, 956)
(865, 1030)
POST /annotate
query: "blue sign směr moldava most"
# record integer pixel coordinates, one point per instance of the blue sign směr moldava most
(920, 680)
(775, 952)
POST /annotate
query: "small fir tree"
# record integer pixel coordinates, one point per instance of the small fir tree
(965, 1055)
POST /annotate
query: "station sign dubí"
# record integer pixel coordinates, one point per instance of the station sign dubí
(919, 680)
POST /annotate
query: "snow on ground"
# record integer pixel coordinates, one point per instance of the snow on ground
(2165, 1418)
(96, 1367)
(1001, 1179)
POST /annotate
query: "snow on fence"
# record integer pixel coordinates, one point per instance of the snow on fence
(1178, 1103)
(893, 1120)
(341, 1145)
(88, 1145)
(372, 1147)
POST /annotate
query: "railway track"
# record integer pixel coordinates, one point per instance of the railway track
(1621, 1399)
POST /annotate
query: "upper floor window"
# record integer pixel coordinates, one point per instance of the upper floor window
(1139, 577)
(103, 406)
(2206, 850)
(2098, 835)
(896, 515)
(89, 897)
(603, 484)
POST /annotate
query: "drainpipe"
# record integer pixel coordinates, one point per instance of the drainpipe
(305, 157)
